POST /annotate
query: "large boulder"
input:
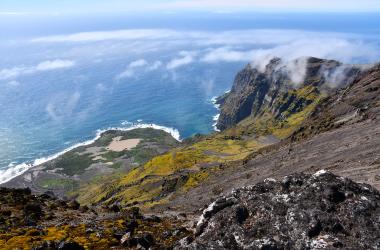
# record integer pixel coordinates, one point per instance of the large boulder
(299, 212)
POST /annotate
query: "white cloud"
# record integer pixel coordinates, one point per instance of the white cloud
(296, 69)
(259, 36)
(138, 63)
(156, 65)
(227, 55)
(132, 34)
(15, 72)
(330, 48)
(55, 64)
(184, 59)
(125, 74)
(256, 46)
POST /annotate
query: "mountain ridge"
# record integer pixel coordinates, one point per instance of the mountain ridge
(255, 91)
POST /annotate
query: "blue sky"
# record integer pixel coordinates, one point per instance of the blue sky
(14, 7)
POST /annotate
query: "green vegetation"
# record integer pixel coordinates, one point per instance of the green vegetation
(72, 163)
(145, 184)
(292, 108)
(57, 184)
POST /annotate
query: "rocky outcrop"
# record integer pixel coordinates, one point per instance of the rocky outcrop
(256, 90)
(299, 212)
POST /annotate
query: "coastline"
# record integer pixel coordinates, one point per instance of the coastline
(215, 118)
(16, 170)
(214, 101)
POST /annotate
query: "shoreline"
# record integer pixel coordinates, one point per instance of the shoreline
(215, 118)
(13, 171)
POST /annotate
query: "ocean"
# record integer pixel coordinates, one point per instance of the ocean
(63, 79)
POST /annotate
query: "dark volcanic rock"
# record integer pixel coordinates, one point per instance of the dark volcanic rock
(73, 204)
(300, 212)
(70, 246)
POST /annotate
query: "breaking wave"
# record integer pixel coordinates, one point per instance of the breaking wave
(14, 170)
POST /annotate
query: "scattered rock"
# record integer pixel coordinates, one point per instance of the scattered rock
(152, 218)
(33, 208)
(146, 240)
(73, 204)
(241, 214)
(132, 225)
(114, 208)
(124, 241)
(70, 245)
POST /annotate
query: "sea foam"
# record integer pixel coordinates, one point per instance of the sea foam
(14, 170)
(215, 118)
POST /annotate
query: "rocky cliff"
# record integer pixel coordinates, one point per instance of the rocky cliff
(356, 102)
(281, 88)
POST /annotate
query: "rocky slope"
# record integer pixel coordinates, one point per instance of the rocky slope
(274, 90)
(42, 222)
(320, 211)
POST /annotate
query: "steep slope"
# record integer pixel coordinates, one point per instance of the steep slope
(341, 135)
(359, 101)
(281, 89)
(190, 174)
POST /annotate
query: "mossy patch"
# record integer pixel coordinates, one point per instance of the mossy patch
(57, 183)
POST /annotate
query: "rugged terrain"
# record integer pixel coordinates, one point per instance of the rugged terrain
(341, 135)
(299, 212)
(41, 222)
(298, 117)
(282, 88)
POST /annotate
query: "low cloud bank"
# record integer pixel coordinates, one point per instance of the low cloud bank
(180, 49)
(12, 73)
(185, 58)
(132, 67)
(256, 46)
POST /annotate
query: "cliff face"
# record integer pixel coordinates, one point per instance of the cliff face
(275, 89)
